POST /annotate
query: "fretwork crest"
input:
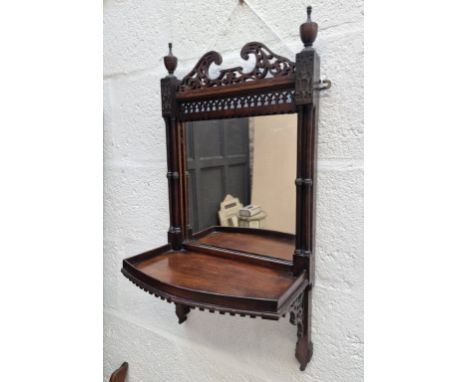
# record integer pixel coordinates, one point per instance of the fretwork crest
(267, 64)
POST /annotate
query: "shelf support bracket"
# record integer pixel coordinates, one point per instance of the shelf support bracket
(299, 316)
(182, 312)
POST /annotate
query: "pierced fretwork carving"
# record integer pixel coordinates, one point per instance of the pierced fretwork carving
(267, 64)
(296, 314)
(223, 104)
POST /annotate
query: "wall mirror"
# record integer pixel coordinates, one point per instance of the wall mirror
(241, 160)
(241, 174)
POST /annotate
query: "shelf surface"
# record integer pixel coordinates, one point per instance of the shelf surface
(213, 274)
(220, 269)
(260, 242)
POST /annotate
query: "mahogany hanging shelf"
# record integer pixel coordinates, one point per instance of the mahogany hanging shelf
(250, 272)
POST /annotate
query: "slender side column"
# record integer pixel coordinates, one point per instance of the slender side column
(299, 262)
(307, 71)
(175, 168)
(174, 179)
(187, 228)
(306, 98)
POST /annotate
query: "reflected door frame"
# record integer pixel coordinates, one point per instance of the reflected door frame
(218, 163)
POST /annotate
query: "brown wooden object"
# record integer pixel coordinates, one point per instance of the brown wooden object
(120, 374)
(250, 272)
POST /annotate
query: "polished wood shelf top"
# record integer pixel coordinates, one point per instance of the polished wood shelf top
(249, 240)
(213, 274)
(208, 272)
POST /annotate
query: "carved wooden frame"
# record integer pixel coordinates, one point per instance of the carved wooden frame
(276, 85)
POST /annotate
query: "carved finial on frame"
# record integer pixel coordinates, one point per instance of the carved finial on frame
(170, 61)
(308, 30)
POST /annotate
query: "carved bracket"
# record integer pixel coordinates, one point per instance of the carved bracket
(182, 312)
(299, 316)
(296, 314)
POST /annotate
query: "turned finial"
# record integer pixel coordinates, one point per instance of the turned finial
(308, 30)
(170, 61)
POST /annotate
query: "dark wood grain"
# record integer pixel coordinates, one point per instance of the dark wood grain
(264, 261)
(251, 242)
(213, 274)
(234, 284)
(246, 88)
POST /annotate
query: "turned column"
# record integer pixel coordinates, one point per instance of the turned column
(306, 98)
(174, 144)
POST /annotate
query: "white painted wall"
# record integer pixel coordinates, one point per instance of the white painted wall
(143, 330)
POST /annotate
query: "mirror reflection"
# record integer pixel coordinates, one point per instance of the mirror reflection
(242, 171)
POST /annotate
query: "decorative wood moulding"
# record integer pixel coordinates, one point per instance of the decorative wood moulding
(182, 312)
(304, 182)
(260, 103)
(206, 270)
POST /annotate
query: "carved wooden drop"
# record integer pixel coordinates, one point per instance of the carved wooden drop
(205, 270)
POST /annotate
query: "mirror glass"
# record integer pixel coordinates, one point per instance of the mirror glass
(242, 171)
